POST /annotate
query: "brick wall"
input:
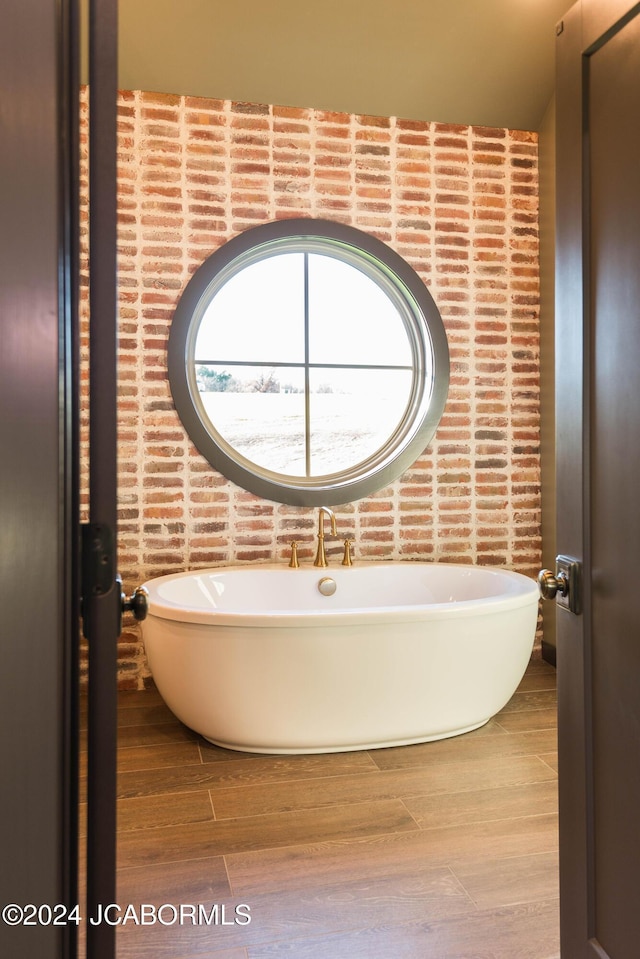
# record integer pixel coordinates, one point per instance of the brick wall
(459, 203)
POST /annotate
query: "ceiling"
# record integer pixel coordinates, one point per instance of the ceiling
(482, 62)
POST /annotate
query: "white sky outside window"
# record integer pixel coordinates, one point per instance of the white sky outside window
(257, 316)
(351, 316)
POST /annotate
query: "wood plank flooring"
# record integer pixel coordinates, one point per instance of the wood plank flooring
(444, 850)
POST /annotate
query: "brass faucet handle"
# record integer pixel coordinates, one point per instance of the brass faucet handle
(293, 562)
(346, 559)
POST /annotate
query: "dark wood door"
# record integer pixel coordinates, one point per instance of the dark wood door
(38, 488)
(101, 595)
(598, 408)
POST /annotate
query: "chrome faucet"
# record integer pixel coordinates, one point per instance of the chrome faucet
(321, 556)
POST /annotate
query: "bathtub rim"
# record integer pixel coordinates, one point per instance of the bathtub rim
(525, 594)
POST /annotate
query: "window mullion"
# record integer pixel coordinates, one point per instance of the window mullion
(307, 397)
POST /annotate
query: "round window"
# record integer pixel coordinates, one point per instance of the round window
(308, 362)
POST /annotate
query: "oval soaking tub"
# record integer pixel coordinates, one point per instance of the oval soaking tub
(258, 659)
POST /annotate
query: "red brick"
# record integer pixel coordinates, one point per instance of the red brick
(184, 190)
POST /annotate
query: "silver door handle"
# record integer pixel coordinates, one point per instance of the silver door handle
(549, 584)
(565, 584)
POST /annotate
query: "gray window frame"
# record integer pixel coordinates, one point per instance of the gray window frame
(423, 325)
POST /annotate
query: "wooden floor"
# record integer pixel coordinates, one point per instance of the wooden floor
(445, 850)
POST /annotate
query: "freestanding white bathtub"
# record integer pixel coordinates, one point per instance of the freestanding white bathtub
(256, 658)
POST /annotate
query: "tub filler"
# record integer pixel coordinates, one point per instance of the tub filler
(267, 659)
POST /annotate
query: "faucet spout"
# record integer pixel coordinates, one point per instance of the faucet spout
(321, 556)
